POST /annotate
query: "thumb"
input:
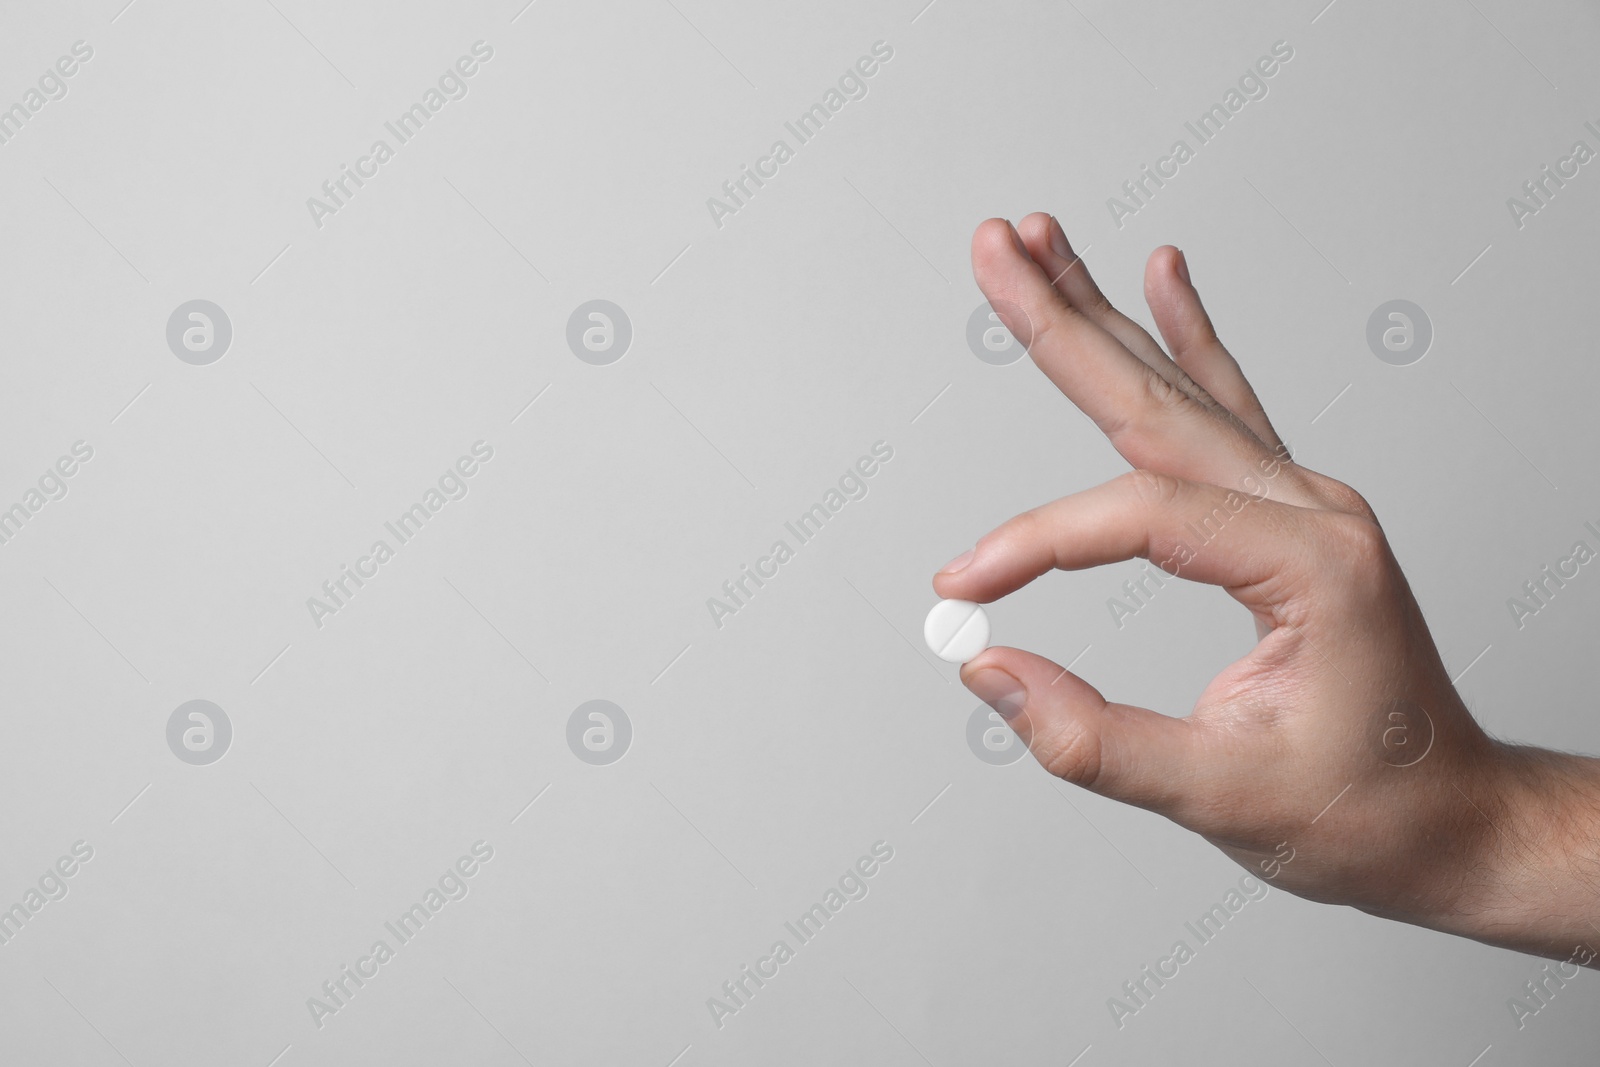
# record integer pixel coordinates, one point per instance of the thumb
(1120, 751)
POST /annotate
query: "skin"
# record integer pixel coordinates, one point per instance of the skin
(1335, 758)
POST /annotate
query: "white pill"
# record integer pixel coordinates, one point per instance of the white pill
(956, 630)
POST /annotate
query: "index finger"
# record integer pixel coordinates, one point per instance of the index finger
(1262, 551)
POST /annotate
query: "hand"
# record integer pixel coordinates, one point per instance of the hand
(1338, 743)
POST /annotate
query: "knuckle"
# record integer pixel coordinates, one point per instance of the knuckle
(1025, 528)
(1113, 425)
(1153, 489)
(1162, 400)
(1198, 343)
(1348, 500)
(1044, 321)
(1044, 315)
(1071, 752)
(1361, 544)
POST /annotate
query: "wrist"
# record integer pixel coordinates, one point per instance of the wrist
(1530, 876)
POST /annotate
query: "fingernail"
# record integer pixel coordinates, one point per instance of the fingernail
(1183, 267)
(1016, 238)
(1058, 240)
(957, 563)
(1000, 691)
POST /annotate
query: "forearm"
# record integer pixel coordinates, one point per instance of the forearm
(1534, 884)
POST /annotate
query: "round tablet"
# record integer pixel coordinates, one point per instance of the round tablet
(956, 630)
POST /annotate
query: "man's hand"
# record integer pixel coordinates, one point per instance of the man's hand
(1339, 738)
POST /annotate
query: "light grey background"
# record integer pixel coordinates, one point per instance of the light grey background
(767, 356)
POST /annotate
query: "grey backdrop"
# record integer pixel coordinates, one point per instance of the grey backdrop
(373, 345)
